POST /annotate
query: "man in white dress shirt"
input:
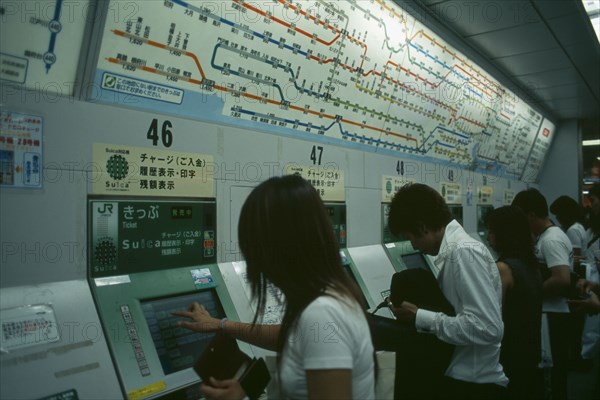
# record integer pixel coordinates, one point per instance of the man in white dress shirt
(470, 281)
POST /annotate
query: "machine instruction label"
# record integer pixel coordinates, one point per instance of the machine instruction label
(485, 195)
(327, 180)
(140, 171)
(390, 185)
(451, 192)
(28, 326)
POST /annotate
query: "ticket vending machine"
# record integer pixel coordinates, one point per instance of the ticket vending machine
(482, 212)
(337, 213)
(148, 258)
(399, 249)
(52, 346)
(457, 212)
(375, 269)
(236, 279)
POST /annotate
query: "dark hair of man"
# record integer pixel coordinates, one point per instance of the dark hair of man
(531, 200)
(287, 238)
(567, 211)
(415, 207)
(513, 237)
(595, 190)
(593, 219)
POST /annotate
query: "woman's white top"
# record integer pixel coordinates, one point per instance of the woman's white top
(330, 334)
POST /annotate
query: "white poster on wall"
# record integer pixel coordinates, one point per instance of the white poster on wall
(20, 150)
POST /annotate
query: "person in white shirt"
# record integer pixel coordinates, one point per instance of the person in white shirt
(570, 217)
(554, 252)
(593, 239)
(470, 281)
(324, 342)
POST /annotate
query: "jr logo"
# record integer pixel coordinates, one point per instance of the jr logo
(107, 209)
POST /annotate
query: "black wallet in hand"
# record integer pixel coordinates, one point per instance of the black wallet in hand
(223, 359)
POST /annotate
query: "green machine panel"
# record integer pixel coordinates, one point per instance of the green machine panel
(353, 273)
(399, 249)
(404, 256)
(386, 235)
(130, 236)
(457, 213)
(337, 213)
(148, 258)
(482, 212)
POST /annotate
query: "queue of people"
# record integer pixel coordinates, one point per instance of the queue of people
(324, 343)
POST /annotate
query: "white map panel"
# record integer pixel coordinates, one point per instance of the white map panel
(40, 43)
(361, 73)
(539, 149)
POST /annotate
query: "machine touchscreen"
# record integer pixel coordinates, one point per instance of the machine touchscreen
(178, 348)
(415, 260)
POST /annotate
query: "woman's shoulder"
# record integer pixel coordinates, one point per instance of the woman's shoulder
(343, 315)
(332, 298)
(517, 263)
(520, 269)
(332, 303)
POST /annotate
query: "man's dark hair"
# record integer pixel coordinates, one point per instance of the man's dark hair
(593, 218)
(531, 200)
(415, 207)
(567, 211)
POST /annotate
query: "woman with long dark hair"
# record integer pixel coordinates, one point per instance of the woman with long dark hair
(520, 352)
(323, 341)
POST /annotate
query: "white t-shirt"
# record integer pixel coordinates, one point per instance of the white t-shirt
(330, 334)
(578, 237)
(553, 248)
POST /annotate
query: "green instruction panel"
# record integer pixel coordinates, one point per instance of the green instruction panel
(337, 213)
(129, 236)
(482, 212)
(386, 235)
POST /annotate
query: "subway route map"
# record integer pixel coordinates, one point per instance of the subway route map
(360, 73)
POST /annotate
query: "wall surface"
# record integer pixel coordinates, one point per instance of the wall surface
(561, 173)
(44, 230)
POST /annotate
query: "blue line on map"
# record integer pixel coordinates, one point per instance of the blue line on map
(52, 44)
(474, 92)
(438, 61)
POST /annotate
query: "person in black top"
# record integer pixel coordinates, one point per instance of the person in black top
(520, 354)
